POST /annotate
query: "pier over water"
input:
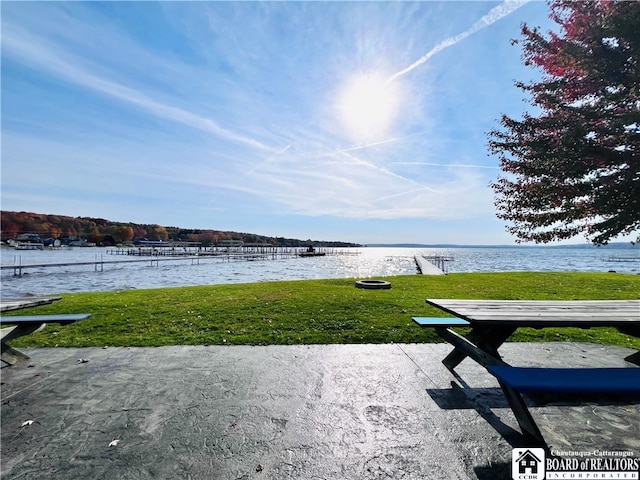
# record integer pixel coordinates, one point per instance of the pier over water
(191, 249)
(432, 264)
(187, 251)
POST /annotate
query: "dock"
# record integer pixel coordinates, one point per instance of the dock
(622, 259)
(98, 264)
(192, 249)
(154, 256)
(432, 265)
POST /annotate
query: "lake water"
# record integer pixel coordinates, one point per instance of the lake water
(359, 263)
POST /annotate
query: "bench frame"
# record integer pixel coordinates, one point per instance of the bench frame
(25, 325)
(584, 382)
(465, 347)
(481, 345)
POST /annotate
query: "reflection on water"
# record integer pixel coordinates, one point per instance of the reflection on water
(368, 262)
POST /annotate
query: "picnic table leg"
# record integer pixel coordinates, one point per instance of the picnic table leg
(454, 358)
(523, 416)
(635, 332)
(468, 348)
(488, 339)
(9, 354)
(633, 358)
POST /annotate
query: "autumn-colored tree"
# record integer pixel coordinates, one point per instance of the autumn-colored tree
(54, 231)
(9, 229)
(123, 234)
(139, 232)
(94, 236)
(574, 166)
(207, 238)
(158, 233)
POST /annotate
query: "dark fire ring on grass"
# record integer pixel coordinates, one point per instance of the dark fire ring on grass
(373, 284)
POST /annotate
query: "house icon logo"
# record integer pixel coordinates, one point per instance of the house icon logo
(527, 464)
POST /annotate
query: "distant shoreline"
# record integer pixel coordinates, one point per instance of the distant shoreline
(610, 246)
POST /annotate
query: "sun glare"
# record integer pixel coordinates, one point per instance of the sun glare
(368, 106)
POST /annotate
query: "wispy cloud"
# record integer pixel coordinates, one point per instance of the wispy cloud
(376, 144)
(384, 171)
(30, 49)
(243, 176)
(493, 16)
(447, 165)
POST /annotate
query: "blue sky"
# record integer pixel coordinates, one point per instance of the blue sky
(354, 121)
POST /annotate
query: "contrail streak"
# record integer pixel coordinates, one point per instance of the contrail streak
(31, 50)
(375, 144)
(251, 170)
(461, 165)
(493, 16)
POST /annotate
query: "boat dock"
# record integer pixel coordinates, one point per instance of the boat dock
(432, 265)
(622, 259)
(98, 264)
(156, 255)
(246, 250)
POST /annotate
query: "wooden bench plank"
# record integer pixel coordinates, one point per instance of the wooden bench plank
(62, 319)
(569, 381)
(543, 314)
(8, 304)
(440, 322)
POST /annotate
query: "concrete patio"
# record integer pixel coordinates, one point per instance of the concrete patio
(279, 412)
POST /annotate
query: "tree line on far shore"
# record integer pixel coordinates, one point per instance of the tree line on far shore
(109, 233)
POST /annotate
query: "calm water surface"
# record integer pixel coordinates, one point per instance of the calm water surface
(359, 263)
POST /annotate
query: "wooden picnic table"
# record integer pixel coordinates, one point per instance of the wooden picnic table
(10, 304)
(492, 322)
(26, 324)
(544, 313)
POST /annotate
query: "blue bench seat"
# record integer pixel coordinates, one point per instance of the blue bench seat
(569, 381)
(440, 322)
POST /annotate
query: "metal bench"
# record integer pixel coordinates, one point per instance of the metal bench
(26, 324)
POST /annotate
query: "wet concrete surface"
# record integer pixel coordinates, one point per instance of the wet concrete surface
(286, 412)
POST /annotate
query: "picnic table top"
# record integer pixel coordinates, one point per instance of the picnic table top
(9, 304)
(544, 313)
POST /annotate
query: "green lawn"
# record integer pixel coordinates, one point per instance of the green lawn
(315, 311)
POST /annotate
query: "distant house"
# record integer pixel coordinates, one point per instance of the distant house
(528, 461)
(29, 237)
